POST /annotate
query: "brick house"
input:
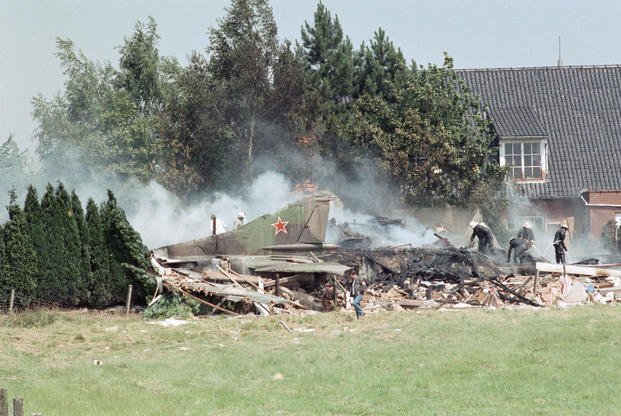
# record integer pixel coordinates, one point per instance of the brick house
(559, 132)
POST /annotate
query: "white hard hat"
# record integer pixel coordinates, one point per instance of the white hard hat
(473, 224)
(526, 224)
(240, 214)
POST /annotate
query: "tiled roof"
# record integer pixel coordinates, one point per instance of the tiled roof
(578, 108)
(516, 122)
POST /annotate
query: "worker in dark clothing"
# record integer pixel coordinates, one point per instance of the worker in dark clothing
(527, 233)
(519, 247)
(484, 234)
(559, 243)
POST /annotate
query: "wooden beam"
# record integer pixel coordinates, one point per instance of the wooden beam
(211, 305)
(282, 280)
(579, 270)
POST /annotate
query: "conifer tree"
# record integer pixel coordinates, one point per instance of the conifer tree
(72, 255)
(99, 288)
(20, 259)
(379, 65)
(85, 275)
(34, 221)
(329, 59)
(51, 257)
(128, 255)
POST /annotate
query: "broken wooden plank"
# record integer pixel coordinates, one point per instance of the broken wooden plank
(514, 293)
(282, 280)
(578, 270)
(211, 305)
(413, 303)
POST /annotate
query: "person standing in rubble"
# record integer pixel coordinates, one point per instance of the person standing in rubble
(239, 221)
(519, 247)
(559, 243)
(527, 233)
(484, 234)
(358, 289)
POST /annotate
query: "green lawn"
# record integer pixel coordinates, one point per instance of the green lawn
(465, 362)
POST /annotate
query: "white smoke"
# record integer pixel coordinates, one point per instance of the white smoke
(162, 218)
(412, 233)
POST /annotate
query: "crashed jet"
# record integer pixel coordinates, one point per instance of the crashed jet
(282, 242)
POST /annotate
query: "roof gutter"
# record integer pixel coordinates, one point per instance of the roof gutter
(586, 204)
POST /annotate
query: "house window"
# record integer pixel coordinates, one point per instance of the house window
(536, 222)
(524, 159)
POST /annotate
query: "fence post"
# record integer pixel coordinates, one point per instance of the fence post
(4, 403)
(129, 299)
(18, 406)
(11, 301)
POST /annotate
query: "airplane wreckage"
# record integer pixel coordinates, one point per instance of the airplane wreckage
(281, 263)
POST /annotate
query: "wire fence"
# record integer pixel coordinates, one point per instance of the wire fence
(10, 303)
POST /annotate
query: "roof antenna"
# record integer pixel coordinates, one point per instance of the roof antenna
(559, 62)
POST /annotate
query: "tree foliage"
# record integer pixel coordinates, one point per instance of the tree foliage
(432, 137)
(242, 54)
(52, 252)
(252, 102)
(19, 266)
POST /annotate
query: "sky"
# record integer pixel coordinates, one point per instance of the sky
(476, 33)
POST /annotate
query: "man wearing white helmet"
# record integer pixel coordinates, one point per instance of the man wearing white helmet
(559, 243)
(527, 233)
(239, 221)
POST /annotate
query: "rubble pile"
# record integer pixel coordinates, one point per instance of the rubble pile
(398, 278)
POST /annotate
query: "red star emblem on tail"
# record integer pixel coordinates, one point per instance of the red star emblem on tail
(280, 226)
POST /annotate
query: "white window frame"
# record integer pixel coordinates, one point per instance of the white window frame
(538, 222)
(543, 147)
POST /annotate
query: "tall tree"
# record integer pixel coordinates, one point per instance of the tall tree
(128, 255)
(106, 117)
(72, 277)
(241, 57)
(34, 221)
(100, 283)
(12, 167)
(20, 259)
(52, 257)
(85, 276)
(139, 63)
(329, 59)
(379, 64)
(195, 137)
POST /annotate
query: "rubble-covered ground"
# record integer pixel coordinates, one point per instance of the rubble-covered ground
(402, 277)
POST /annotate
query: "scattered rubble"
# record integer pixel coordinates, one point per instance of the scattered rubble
(401, 278)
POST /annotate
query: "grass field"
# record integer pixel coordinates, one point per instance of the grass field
(466, 362)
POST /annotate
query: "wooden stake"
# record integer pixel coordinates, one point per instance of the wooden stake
(11, 301)
(277, 284)
(18, 406)
(4, 403)
(129, 299)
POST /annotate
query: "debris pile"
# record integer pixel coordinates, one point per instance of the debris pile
(449, 277)
(398, 278)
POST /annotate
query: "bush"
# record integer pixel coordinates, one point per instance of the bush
(172, 305)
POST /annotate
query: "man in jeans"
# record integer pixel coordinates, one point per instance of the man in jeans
(358, 288)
